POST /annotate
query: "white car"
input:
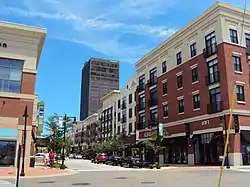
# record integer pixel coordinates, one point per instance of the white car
(39, 157)
(78, 156)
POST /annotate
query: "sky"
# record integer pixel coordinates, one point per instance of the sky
(122, 30)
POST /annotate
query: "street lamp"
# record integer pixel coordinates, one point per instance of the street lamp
(223, 124)
(64, 137)
(25, 115)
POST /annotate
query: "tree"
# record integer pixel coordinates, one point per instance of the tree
(154, 143)
(56, 133)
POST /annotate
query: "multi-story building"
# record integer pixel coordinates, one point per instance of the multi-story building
(85, 132)
(108, 115)
(20, 50)
(99, 77)
(40, 117)
(187, 84)
(126, 111)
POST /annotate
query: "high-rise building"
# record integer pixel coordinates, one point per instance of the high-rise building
(99, 77)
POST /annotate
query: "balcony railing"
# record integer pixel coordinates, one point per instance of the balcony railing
(215, 107)
(141, 125)
(152, 81)
(248, 50)
(210, 50)
(212, 78)
(123, 120)
(141, 87)
(152, 102)
(153, 122)
(124, 106)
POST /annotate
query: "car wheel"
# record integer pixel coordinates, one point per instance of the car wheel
(121, 165)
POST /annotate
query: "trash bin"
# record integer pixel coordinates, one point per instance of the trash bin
(32, 162)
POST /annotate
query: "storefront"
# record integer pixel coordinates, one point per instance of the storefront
(175, 150)
(7, 152)
(208, 147)
(245, 147)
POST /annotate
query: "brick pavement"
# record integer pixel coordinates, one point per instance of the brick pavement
(10, 172)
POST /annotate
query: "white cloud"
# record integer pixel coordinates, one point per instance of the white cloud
(98, 24)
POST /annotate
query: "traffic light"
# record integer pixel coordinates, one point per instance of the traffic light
(187, 129)
(236, 123)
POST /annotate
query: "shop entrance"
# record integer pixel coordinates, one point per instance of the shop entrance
(7, 152)
(245, 147)
(208, 148)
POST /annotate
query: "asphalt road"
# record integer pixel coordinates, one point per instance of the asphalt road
(91, 175)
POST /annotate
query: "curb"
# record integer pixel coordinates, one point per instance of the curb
(69, 172)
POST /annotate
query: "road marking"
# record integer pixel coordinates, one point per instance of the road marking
(5, 182)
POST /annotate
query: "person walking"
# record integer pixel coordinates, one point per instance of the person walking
(51, 158)
(46, 160)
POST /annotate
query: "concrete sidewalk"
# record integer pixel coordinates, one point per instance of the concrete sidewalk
(10, 172)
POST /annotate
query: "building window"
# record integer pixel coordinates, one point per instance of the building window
(193, 49)
(179, 58)
(179, 81)
(165, 110)
(210, 40)
(240, 93)
(142, 102)
(247, 40)
(135, 111)
(130, 128)
(164, 67)
(135, 96)
(130, 98)
(119, 116)
(195, 74)
(118, 130)
(119, 103)
(233, 36)
(237, 63)
(153, 96)
(142, 121)
(181, 105)
(213, 71)
(130, 113)
(153, 76)
(153, 115)
(141, 82)
(196, 101)
(164, 88)
(215, 100)
(10, 75)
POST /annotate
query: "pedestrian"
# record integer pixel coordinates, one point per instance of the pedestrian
(51, 158)
(46, 160)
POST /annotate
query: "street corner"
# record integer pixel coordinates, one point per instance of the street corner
(9, 173)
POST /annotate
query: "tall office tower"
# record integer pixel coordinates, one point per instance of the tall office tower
(99, 77)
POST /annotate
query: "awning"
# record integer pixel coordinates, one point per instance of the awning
(245, 135)
(194, 139)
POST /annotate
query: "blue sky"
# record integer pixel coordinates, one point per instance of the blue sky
(123, 30)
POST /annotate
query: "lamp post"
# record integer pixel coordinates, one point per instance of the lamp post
(25, 115)
(64, 138)
(223, 124)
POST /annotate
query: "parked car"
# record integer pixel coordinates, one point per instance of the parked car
(71, 156)
(114, 160)
(39, 158)
(101, 158)
(78, 156)
(132, 162)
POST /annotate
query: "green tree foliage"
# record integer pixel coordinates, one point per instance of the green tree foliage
(55, 136)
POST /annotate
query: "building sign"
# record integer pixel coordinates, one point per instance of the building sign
(206, 122)
(149, 134)
(3, 45)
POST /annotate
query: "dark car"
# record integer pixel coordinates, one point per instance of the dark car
(101, 158)
(114, 160)
(132, 162)
(93, 157)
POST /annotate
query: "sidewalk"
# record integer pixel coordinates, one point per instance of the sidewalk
(10, 172)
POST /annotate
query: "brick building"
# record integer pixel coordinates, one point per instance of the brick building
(187, 83)
(20, 50)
